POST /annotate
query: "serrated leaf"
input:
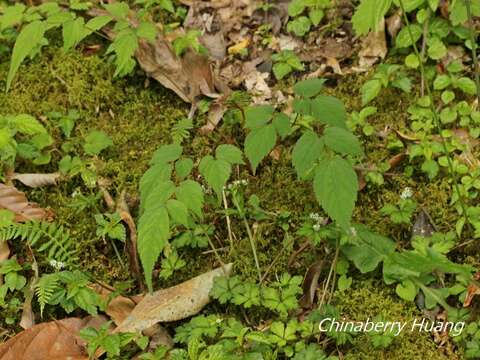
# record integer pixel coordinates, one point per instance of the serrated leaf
(98, 22)
(28, 125)
(191, 194)
(369, 14)
(147, 30)
(215, 172)
(161, 192)
(308, 88)
(73, 32)
(183, 168)
(153, 234)
(281, 122)
(178, 212)
(258, 116)
(259, 143)
(370, 90)
(118, 9)
(336, 185)
(154, 175)
(342, 141)
(30, 37)
(306, 152)
(166, 154)
(96, 141)
(329, 111)
(404, 39)
(229, 153)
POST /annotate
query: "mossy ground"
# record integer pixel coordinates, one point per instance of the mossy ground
(139, 120)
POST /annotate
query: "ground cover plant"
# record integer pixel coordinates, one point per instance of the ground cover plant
(225, 180)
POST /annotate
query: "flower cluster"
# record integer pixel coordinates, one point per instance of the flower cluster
(57, 265)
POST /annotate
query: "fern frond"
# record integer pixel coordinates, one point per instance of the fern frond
(181, 130)
(45, 288)
(51, 239)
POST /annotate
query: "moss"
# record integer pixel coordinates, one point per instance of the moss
(368, 299)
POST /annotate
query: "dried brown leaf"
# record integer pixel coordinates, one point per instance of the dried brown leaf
(172, 304)
(14, 200)
(36, 180)
(310, 284)
(55, 340)
(374, 47)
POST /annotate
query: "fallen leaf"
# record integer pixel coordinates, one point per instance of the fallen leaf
(310, 284)
(36, 180)
(173, 304)
(397, 159)
(55, 340)
(237, 48)
(215, 115)
(394, 24)
(14, 200)
(472, 290)
(28, 317)
(374, 47)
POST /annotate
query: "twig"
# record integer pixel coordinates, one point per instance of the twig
(424, 46)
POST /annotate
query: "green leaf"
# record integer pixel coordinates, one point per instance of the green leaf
(153, 234)
(441, 82)
(406, 290)
(29, 39)
(191, 194)
(306, 152)
(329, 111)
(259, 143)
(404, 39)
(166, 154)
(342, 141)
(308, 88)
(466, 85)
(370, 90)
(316, 15)
(230, 154)
(154, 175)
(96, 141)
(215, 172)
(368, 250)
(369, 14)
(98, 22)
(336, 187)
(178, 212)
(124, 46)
(183, 168)
(299, 26)
(118, 9)
(281, 122)
(147, 30)
(73, 32)
(28, 125)
(281, 69)
(258, 116)
(296, 7)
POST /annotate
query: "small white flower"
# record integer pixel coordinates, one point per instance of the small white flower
(316, 227)
(353, 231)
(315, 216)
(57, 265)
(406, 193)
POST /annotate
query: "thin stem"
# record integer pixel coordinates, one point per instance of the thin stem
(118, 255)
(250, 238)
(473, 41)
(227, 218)
(434, 113)
(330, 274)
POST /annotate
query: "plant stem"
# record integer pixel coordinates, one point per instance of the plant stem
(434, 114)
(330, 274)
(250, 238)
(227, 217)
(473, 41)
